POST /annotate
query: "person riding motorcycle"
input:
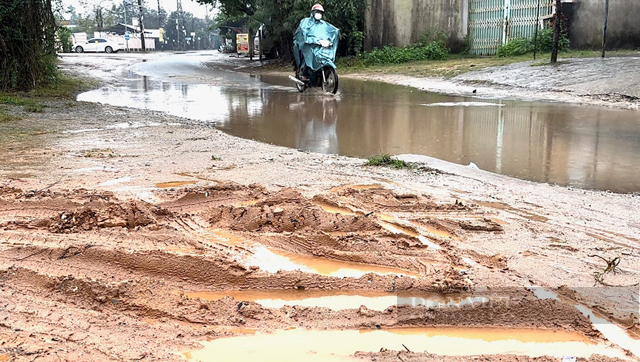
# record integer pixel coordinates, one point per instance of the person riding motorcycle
(307, 24)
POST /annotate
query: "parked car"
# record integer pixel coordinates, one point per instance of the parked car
(99, 45)
(266, 43)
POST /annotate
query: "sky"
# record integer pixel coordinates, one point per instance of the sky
(199, 11)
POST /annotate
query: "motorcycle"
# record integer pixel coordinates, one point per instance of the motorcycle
(315, 43)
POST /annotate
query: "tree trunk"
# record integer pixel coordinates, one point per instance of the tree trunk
(556, 33)
(250, 44)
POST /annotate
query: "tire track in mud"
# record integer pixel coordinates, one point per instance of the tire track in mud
(129, 260)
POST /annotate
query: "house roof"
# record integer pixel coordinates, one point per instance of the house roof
(120, 29)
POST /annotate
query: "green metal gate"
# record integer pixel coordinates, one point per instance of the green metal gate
(493, 22)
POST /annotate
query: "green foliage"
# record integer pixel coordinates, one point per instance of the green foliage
(15, 101)
(515, 47)
(36, 108)
(29, 104)
(352, 62)
(27, 44)
(545, 41)
(64, 39)
(432, 46)
(388, 161)
(356, 42)
(281, 18)
(6, 117)
(466, 45)
(521, 46)
(64, 87)
(433, 35)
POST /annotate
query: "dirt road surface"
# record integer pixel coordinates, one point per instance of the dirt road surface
(609, 82)
(132, 235)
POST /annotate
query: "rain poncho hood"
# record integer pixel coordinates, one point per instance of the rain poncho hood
(306, 38)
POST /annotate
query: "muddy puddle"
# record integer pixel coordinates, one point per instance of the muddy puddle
(335, 209)
(272, 261)
(609, 330)
(582, 146)
(338, 300)
(392, 224)
(309, 345)
(166, 185)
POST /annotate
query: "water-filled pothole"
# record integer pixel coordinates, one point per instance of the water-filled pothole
(335, 209)
(609, 330)
(273, 260)
(340, 299)
(309, 345)
(165, 185)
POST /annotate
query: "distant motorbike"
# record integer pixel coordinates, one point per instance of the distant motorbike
(314, 47)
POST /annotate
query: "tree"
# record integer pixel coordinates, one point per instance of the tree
(281, 18)
(99, 16)
(27, 44)
(174, 30)
(556, 32)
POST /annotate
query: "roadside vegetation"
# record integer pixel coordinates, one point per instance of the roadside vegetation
(7, 117)
(28, 104)
(431, 46)
(34, 101)
(388, 161)
(456, 64)
(27, 44)
(522, 46)
(282, 20)
(64, 87)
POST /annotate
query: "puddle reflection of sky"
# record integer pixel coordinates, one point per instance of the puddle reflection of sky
(569, 145)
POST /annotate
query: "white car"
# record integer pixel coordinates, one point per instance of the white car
(99, 45)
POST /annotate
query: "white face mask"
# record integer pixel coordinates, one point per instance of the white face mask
(317, 16)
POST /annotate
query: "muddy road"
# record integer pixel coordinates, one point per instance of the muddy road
(583, 146)
(130, 234)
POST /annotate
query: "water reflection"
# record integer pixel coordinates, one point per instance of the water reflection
(581, 146)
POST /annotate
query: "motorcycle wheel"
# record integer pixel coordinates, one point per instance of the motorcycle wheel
(330, 85)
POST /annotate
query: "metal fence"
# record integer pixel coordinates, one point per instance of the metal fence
(494, 22)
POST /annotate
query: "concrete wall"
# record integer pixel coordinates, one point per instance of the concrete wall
(401, 22)
(586, 18)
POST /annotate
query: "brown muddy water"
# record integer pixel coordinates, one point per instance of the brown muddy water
(272, 261)
(308, 345)
(339, 299)
(581, 146)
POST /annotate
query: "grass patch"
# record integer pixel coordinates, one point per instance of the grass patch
(36, 108)
(387, 161)
(29, 104)
(522, 46)
(455, 65)
(6, 117)
(460, 64)
(15, 100)
(66, 87)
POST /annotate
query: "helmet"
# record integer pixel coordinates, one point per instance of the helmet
(317, 7)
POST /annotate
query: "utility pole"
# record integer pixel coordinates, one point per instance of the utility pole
(140, 19)
(604, 28)
(159, 16)
(556, 33)
(535, 37)
(179, 11)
